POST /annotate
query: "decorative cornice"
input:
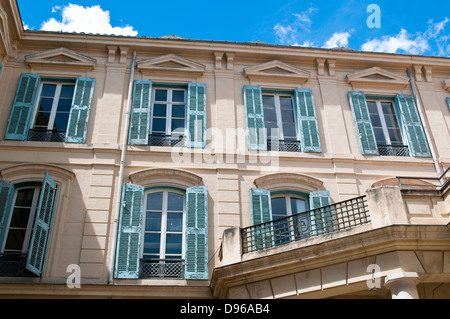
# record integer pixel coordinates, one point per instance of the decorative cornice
(60, 57)
(165, 177)
(277, 71)
(377, 77)
(171, 63)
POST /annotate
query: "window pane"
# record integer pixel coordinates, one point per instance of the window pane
(279, 207)
(178, 96)
(46, 104)
(24, 197)
(175, 202)
(64, 105)
(161, 95)
(159, 125)
(42, 119)
(20, 217)
(15, 240)
(48, 90)
(174, 244)
(178, 111)
(287, 116)
(372, 107)
(395, 136)
(154, 201)
(289, 131)
(269, 101)
(175, 222)
(298, 206)
(153, 222)
(152, 243)
(61, 120)
(286, 103)
(160, 110)
(67, 91)
(379, 135)
(178, 126)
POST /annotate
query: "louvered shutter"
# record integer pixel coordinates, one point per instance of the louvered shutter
(448, 102)
(42, 224)
(140, 113)
(412, 126)
(196, 116)
(196, 233)
(79, 113)
(1, 67)
(307, 121)
(256, 131)
(261, 209)
(364, 128)
(23, 108)
(321, 216)
(6, 198)
(130, 232)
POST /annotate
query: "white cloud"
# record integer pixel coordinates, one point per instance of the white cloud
(339, 39)
(288, 34)
(93, 19)
(418, 43)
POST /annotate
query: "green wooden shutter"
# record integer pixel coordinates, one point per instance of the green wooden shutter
(130, 232)
(23, 108)
(307, 121)
(6, 198)
(196, 233)
(79, 113)
(256, 130)
(412, 126)
(42, 225)
(364, 128)
(448, 102)
(196, 115)
(261, 209)
(1, 67)
(322, 220)
(140, 113)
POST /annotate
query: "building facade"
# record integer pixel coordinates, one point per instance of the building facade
(135, 167)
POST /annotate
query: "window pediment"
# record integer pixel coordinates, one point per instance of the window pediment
(165, 177)
(377, 77)
(61, 57)
(277, 71)
(289, 181)
(171, 63)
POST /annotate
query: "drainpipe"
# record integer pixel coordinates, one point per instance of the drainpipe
(425, 127)
(122, 165)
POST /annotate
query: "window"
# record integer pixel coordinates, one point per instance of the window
(168, 114)
(386, 128)
(164, 233)
(168, 117)
(50, 110)
(281, 120)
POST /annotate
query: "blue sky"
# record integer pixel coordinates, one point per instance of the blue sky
(407, 26)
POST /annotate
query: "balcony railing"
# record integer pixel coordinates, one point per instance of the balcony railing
(425, 183)
(316, 222)
(162, 268)
(13, 265)
(292, 146)
(393, 150)
(46, 136)
(166, 140)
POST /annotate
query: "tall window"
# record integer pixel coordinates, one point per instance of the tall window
(53, 111)
(168, 116)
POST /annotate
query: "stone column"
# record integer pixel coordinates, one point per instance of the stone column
(403, 285)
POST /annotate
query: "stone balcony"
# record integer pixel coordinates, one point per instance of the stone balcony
(396, 245)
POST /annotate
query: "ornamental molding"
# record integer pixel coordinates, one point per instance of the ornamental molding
(171, 63)
(289, 181)
(165, 177)
(377, 77)
(60, 57)
(277, 71)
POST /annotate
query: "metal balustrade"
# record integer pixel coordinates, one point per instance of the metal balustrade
(46, 136)
(393, 150)
(162, 268)
(316, 222)
(13, 265)
(167, 140)
(292, 146)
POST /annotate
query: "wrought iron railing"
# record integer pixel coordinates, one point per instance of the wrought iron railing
(46, 136)
(167, 140)
(316, 222)
(393, 150)
(13, 265)
(425, 183)
(292, 146)
(162, 268)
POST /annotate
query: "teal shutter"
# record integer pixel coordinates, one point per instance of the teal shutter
(23, 108)
(363, 123)
(6, 198)
(307, 121)
(321, 216)
(140, 113)
(412, 126)
(130, 232)
(42, 225)
(448, 102)
(79, 113)
(1, 67)
(256, 130)
(196, 115)
(261, 209)
(196, 233)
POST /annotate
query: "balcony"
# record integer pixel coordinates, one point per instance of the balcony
(393, 150)
(291, 146)
(162, 268)
(46, 136)
(13, 265)
(166, 140)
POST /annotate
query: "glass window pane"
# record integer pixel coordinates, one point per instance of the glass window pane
(64, 105)
(375, 118)
(178, 111)
(379, 136)
(175, 222)
(289, 131)
(161, 95)
(269, 101)
(15, 240)
(178, 96)
(154, 201)
(287, 116)
(46, 104)
(175, 202)
(42, 119)
(174, 244)
(61, 120)
(159, 125)
(395, 136)
(152, 243)
(48, 90)
(178, 126)
(153, 222)
(372, 107)
(279, 207)
(298, 206)
(24, 197)
(20, 217)
(160, 110)
(67, 91)
(286, 103)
